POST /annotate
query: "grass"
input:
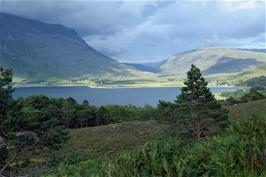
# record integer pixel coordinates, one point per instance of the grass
(155, 80)
(109, 140)
(219, 96)
(247, 109)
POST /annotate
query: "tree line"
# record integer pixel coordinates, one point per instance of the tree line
(74, 115)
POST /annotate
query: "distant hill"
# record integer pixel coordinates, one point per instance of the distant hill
(214, 61)
(41, 51)
(231, 65)
(149, 67)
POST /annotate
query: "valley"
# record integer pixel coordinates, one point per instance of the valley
(43, 54)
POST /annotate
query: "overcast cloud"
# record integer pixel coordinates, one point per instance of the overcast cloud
(144, 31)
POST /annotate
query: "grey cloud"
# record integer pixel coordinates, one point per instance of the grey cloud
(87, 17)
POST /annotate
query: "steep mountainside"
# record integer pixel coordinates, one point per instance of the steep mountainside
(214, 61)
(37, 50)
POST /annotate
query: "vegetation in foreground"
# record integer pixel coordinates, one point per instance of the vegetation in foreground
(239, 152)
(34, 126)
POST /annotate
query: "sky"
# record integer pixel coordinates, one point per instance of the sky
(149, 31)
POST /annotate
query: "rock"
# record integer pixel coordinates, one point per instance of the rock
(25, 133)
(264, 156)
(1, 140)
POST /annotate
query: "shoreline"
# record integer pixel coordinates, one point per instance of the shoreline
(118, 87)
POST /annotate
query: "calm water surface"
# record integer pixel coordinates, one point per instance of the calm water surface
(103, 96)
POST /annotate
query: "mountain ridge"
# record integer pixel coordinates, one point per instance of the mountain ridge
(209, 57)
(39, 50)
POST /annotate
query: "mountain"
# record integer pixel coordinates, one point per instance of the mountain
(39, 51)
(148, 67)
(214, 60)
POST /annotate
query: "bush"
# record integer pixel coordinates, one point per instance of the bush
(243, 97)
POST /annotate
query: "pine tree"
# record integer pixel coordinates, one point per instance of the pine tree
(84, 113)
(5, 94)
(25, 126)
(5, 103)
(103, 116)
(5, 90)
(199, 111)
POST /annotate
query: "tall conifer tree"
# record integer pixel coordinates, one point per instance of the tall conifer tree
(5, 94)
(200, 112)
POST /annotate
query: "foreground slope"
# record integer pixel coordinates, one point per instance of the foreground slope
(113, 139)
(248, 109)
(41, 51)
(238, 152)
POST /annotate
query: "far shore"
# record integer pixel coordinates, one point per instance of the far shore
(116, 86)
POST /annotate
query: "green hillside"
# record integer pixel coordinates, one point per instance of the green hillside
(109, 140)
(114, 139)
(248, 109)
(163, 157)
(233, 154)
(38, 51)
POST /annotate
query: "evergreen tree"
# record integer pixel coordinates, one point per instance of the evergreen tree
(252, 95)
(167, 111)
(103, 116)
(25, 125)
(84, 113)
(5, 103)
(5, 94)
(200, 112)
(68, 112)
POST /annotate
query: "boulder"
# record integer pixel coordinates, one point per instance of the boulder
(2, 140)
